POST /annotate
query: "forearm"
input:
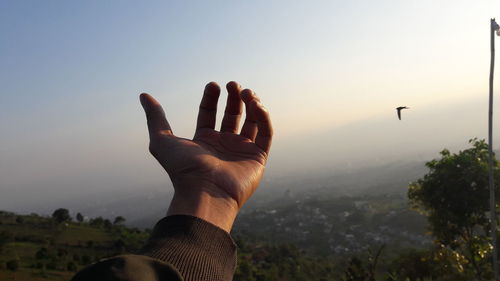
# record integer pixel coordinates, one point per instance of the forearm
(213, 208)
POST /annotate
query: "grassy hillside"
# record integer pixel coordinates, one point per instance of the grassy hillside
(38, 248)
(42, 249)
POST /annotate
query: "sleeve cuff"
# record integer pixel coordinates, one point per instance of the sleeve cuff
(198, 249)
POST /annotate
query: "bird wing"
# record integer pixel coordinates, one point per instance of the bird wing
(399, 113)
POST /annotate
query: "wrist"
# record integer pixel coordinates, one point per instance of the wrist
(218, 210)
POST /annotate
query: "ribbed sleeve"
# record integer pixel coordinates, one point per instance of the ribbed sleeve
(198, 249)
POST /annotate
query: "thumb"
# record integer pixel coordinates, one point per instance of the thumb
(157, 122)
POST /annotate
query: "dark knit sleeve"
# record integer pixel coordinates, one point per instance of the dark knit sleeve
(198, 249)
(181, 248)
(129, 268)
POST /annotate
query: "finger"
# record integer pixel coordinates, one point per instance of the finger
(208, 107)
(265, 129)
(234, 108)
(249, 129)
(157, 122)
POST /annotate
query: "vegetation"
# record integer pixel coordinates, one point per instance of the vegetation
(42, 248)
(454, 196)
(119, 220)
(12, 265)
(310, 236)
(61, 215)
(79, 217)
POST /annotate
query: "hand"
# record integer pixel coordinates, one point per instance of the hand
(216, 172)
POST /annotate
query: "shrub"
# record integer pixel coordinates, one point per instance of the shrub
(71, 266)
(12, 265)
(41, 254)
(61, 252)
(79, 217)
(119, 220)
(90, 244)
(61, 215)
(86, 260)
(52, 265)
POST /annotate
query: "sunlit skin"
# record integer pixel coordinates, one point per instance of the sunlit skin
(216, 172)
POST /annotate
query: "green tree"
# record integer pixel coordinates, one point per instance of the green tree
(245, 271)
(61, 215)
(52, 264)
(79, 217)
(454, 196)
(19, 220)
(42, 254)
(62, 252)
(90, 243)
(119, 220)
(429, 264)
(119, 245)
(107, 224)
(97, 222)
(12, 265)
(85, 260)
(71, 266)
(5, 237)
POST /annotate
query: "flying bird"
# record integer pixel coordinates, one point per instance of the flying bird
(399, 110)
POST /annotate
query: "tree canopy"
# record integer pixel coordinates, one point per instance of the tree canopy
(454, 195)
(79, 217)
(119, 220)
(61, 215)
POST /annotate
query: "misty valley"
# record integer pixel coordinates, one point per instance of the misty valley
(342, 227)
(314, 231)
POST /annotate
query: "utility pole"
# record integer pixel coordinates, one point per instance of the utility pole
(493, 218)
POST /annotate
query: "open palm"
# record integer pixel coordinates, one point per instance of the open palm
(223, 164)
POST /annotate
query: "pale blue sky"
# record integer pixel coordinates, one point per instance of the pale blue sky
(71, 73)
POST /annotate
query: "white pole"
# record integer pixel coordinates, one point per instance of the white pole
(493, 218)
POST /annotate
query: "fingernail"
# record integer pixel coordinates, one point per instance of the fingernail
(235, 84)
